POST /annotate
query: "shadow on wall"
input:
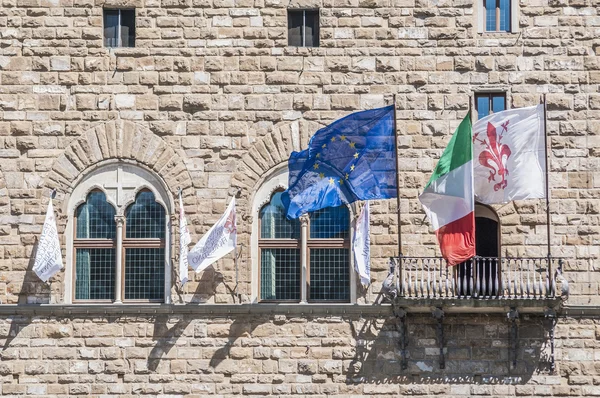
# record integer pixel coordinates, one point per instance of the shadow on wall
(477, 349)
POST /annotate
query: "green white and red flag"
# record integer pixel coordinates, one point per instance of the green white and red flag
(448, 198)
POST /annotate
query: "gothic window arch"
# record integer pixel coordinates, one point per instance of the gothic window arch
(119, 231)
(303, 260)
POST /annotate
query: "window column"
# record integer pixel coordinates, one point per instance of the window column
(304, 258)
(120, 220)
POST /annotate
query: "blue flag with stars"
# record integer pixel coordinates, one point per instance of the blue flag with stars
(352, 159)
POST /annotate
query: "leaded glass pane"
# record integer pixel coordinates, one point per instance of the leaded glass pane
(329, 274)
(295, 22)
(96, 218)
(483, 106)
(144, 273)
(94, 274)
(145, 218)
(505, 15)
(490, 15)
(330, 223)
(498, 103)
(274, 224)
(280, 274)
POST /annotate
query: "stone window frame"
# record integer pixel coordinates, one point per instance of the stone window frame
(304, 10)
(488, 91)
(480, 16)
(120, 196)
(277, 180)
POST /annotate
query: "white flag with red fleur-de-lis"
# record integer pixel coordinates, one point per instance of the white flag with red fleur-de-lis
(509, 156)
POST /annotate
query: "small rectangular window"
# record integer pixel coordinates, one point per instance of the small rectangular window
(497, 15)
(119, 28)
(303, 28)
(488, 103)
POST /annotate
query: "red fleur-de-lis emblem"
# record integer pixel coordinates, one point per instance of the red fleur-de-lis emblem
(494, 155)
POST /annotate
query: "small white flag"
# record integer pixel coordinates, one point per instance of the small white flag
(361, 246)
(217, 242)
(48, 258)
(184, 241)
(509, 156)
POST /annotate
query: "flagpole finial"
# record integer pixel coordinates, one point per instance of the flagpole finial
(53, 194)
(179, 190)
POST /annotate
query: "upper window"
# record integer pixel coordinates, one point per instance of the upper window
(119, 28)
(303, 28)
(498, 15)
(120, 242)
(321, 245)
(488, 103)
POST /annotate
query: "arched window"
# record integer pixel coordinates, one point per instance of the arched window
(144, 246)
(118, 218)
(320, 245)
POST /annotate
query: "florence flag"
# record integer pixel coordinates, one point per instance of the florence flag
(48, 258)
(184, 241)
(217, 242)
(448, 197)
(510, 156)
(361, 246)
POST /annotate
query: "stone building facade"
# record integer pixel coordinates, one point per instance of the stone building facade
(212, 100)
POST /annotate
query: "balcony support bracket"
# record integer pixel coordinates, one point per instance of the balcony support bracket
(551, 318)
(513, 318)
(400, 314)
(438, 315)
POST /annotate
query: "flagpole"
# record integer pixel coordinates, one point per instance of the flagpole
(547, 183)
(398, 200)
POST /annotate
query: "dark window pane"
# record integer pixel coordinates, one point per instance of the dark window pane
(295, 20)
(280, 274)
(145, 219)
(128, 28)
(96, 218)
(312, 29)
(94, 274)
(274, 224)
(330, 223)
(329, 274)
(111, 23)
(144, 274)
(505, 15)
(490, 15)
(498, 103)
(483, 106)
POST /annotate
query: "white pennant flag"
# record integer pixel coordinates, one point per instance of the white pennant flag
(361, 246)
(217, 242)
(184, 241)
(509, 156)
(48, 258)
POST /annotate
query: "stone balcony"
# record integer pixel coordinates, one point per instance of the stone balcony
(481, 284)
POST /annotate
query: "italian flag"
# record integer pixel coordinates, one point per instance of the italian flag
(448, 198)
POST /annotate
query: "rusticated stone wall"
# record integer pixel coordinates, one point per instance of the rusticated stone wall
(214, 87)
(195, 356)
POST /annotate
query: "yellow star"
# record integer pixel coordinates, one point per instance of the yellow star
(318, 155)
(343, 138)
(331, 180)
(316, 166)
(341, 182)
(352, 144)
(321, 175)
(348, 175)
(332, 139)
(352, 168)
(356, 155)
(324, 146)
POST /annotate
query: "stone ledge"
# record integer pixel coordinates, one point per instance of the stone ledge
(457, 306)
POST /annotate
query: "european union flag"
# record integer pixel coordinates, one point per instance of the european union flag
(352, 159)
